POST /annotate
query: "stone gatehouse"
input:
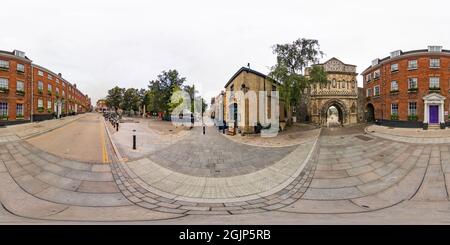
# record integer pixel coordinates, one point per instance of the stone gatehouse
(341, 92)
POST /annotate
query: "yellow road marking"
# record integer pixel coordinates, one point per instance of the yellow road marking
(102, 140)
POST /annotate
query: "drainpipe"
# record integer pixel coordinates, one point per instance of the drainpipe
(32, 94)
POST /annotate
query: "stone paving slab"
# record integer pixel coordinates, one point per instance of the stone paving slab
(434, 185)
(324, 206)
(116, 214)
(62, 196)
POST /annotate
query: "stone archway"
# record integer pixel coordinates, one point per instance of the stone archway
(341, 111)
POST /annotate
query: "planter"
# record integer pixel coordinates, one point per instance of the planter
(394, 117)
(434, 90)
(425, 126)
(395, 92)
(413, 118)
(4, 90)
(442, 125)
(20, 93)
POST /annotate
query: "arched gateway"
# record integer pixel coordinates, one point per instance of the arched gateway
(340, 94)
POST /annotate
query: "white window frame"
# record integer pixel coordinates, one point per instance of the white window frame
(20, 113)
(392, 85)
(433, 80)
(4, 83)
(22, 69)
(392, 109)
(396, 53)
(394, 69)
(40, 103)
(415, 67)
(40, 73)
(3, 110)
(50, 77)
(410, 110)
(49, 104)
(18, 87)
(376, 74)
(41, 86)
(375, 90)
(4, 64)
(436, 49)
(411, 79)
(435, 63)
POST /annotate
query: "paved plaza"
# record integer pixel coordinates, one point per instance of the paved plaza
(352, 175)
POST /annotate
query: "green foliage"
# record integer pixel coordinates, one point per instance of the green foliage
(394, 116)
(413, 118)
(131, 100)
(292, 59)
(115, 97)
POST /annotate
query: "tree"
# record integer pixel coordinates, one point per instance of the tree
(131, 100)
(162, 88)
(292, 59)
(298, 55)
(114, 98)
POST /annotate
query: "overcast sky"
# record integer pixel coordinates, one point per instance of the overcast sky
(101, 44)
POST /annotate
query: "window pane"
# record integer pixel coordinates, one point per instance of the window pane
(21, 67)
(3, 109)
(19, 110)
(3, 83)
(4, 64)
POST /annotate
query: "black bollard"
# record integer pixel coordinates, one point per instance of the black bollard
(134, 139)
(203, 129)
(117, 127)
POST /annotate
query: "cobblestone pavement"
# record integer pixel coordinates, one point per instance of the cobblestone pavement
(344, 176)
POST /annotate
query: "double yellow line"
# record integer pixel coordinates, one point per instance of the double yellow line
(102, 141)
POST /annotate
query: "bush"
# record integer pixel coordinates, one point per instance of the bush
(394, 116)
(413, 118)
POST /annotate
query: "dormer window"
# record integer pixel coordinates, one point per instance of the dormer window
(434, 48)
(375, 62)
(19, 53)
(396, 53)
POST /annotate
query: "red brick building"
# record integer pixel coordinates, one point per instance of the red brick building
(409, 88)
(29, 92)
